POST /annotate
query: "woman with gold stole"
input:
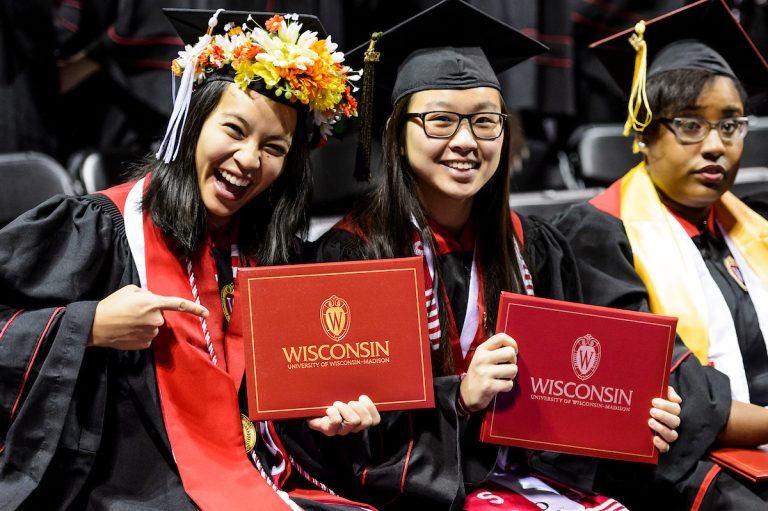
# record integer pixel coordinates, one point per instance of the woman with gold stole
(444, 195)
(669, 237)
(121, 356)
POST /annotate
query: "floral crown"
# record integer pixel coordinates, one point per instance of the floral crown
(294, 67)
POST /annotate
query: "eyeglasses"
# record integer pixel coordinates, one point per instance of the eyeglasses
(692, 130)
(484, 125)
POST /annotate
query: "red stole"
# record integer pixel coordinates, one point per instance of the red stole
(199, 400)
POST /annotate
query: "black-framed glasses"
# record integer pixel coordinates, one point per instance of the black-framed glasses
(692, 130)
(440, 124)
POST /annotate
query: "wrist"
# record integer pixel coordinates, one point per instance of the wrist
(461, 406)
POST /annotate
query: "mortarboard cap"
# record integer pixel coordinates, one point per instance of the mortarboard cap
(266, 52)
(703, 35)
(190, 24)
(451, 45)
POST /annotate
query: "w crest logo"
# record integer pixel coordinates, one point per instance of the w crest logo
(335, 317)
(585, 356)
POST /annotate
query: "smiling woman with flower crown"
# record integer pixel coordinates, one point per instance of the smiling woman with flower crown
(121, 354)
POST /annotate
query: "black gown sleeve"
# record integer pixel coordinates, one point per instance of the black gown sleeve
(605, 264)
(550, 261)
(56, 262)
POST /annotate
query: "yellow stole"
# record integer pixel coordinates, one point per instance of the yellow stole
(673, 286)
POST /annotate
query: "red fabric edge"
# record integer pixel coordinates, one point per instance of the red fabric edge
(705, 484)
(32, 360)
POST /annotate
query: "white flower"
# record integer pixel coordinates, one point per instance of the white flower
(290, 32)
(330, 45)
(307, 39)
(185, 54)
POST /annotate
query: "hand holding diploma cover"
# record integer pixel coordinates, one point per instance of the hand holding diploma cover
(320, 333)
(586, 378)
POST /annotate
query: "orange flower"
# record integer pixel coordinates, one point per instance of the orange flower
(321, 49)
(202, 59)
(217, 52)
(176, 68)
(245, 53)
(351, 104)
(253, 51)
(273, 23)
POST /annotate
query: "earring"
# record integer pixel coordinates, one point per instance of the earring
(641, 144)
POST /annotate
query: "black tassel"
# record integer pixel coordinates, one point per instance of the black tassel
(363, 156)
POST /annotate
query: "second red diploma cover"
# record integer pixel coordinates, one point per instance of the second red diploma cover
(319, 333)
(586, 378)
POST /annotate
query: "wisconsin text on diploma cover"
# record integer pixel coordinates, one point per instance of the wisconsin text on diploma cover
(322, 355)
(581, 394)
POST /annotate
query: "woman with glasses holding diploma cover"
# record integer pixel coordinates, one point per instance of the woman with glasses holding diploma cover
(669, 238)
(121, 355)
(444, 195)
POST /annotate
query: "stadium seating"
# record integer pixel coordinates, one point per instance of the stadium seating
(28, 179)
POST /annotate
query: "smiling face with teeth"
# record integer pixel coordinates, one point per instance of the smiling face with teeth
(241, 151)
(450, 171)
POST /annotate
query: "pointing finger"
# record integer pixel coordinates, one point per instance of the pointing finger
(172, 303)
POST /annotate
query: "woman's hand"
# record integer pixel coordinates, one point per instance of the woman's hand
(344, 418)
(665, 419)
(131, 317)
(492, 370)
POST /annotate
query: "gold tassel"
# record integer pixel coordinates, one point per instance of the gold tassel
(363, 156)
(638, 97)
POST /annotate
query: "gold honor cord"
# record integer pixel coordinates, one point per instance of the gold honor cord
(363, 158)
(638, 97)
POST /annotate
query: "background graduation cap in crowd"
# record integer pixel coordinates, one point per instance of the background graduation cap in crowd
(443, 47)
(682, 39)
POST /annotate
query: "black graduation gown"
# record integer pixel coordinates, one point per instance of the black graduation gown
(431, 458)
(605, 264)
(80, 428)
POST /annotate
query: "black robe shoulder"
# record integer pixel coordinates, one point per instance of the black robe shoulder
(80, 428)
(605, 265)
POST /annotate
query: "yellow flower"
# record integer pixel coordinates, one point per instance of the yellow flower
(266, 72)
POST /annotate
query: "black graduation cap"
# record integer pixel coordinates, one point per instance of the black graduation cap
(191, 24)
(451, 45)
(684, 39)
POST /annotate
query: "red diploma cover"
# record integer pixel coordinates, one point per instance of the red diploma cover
(319, 333)
(750, 463)
(586, 378)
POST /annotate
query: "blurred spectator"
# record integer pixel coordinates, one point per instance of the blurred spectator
(121, 50)
(28, 82)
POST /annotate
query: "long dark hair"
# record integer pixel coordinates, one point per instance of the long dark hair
(386, 217)
(269, 223)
